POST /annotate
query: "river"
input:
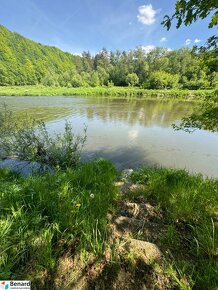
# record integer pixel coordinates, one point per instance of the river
(130, 132)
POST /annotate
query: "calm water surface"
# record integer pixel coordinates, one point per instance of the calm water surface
(128, 132)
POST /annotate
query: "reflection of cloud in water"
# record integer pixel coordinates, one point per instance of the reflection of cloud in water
(123, 157)
(133, 134)
(130, 131)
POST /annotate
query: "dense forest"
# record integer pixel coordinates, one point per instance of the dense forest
(25, 62)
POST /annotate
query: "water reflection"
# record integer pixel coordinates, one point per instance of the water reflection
(143, 112)
(129, 132)
(40, 108)
(123, 157)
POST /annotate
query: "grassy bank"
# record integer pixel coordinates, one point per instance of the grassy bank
(103, 91)
(190, 236)
(44, 217)
(41, 216)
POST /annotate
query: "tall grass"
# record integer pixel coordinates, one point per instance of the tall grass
(41, 216)
(190, 205)
(103, 91)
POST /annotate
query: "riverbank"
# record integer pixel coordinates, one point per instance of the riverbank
(92, 227)
(104, 91)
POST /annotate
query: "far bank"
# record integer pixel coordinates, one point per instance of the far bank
(106, 91)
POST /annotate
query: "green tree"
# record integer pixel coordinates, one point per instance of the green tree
(102, 59)
(76, 81)
(163, 80)
(87, 61)
(3, 75)
(213, 79)
(94, 79)
(102, 75)
(30, 73)
(132, 79)
(188, 11)
(140, 66)
(157, 59)
(49, 80)
(206, 118)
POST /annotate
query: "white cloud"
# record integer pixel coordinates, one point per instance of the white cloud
(163, 39)
(197, 40)
(133, 135)
(188, 41)
(146, 14)
(148, 48)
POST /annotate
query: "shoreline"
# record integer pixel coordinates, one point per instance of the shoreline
(133, 92)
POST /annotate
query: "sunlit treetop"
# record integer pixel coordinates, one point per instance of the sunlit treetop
(187, 12)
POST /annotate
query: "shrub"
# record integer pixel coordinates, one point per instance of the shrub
(163, 80)
(132, 79)
(31, 141)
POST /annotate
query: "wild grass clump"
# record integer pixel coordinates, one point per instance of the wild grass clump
(42, 216)
(190, 205)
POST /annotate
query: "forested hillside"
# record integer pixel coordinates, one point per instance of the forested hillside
(25, 62)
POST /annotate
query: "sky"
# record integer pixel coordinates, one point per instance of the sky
(89, 25)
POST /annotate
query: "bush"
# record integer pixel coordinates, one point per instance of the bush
(132, 79)
(31, 141)
(163, 80)
(49, 80)
(76, 81)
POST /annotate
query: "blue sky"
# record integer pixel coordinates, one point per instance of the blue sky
(81, 25)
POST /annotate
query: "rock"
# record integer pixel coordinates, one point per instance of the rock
(140, 211)
(126, 173)
(126, 225)
(130, 209)
(136, 187)
(25, 168)
(148, 252)
(126, 186)
(119, 183)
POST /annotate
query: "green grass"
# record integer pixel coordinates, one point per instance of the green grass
(41, 216)
(102, 91)
(190, 206)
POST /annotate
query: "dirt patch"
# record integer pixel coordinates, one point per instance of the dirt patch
(132, 259)
(139, 219)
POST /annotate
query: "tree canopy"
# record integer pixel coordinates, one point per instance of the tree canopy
(187, 12)
(25, 62)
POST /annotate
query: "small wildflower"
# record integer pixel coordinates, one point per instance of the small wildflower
(78, 205)
(92, 195)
